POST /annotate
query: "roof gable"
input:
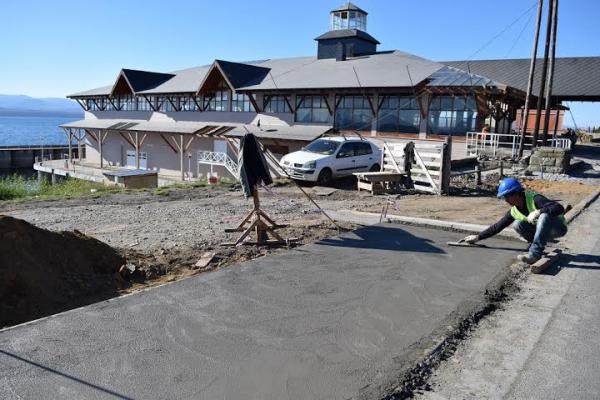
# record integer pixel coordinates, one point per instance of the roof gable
(234, 74)
(131, 81)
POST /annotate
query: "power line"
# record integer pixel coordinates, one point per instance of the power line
(502, 32)
(519, 36)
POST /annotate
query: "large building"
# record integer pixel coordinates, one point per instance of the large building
(185, 123)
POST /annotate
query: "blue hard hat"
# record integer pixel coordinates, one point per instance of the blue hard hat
(508, 186)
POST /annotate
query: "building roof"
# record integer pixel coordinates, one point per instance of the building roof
(348, 6)
(136, 125)
(142, 80)
(385, 69)
(575, 78)
(305, 133)
(450, 76)
(345, 33)
(284, 132)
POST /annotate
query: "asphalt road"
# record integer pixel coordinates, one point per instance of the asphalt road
(333, 320)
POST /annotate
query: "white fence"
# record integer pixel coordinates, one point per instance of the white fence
(220, 159)
(504, 144)
(430, 170)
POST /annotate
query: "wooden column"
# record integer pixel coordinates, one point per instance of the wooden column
(181, 157)
(375, 100)
(423, 101)
(137, 150)
(100, 134)
(70, 138)
(79, 139)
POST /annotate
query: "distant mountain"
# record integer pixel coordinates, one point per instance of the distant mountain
(18, 105)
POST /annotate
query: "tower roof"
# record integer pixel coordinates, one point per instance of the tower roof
(348, 6)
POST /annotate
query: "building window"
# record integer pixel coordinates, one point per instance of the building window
(276, 104)
(186, 103)
(312, 109)
(240, 103)
(353, 113)
(218, 101)
(142, 104)
(454, 115)
(399, 114)
(127, 103)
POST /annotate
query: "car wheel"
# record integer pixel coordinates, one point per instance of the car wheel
(375, 168)
(325, 176)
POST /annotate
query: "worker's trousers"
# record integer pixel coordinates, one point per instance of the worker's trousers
(546, 228)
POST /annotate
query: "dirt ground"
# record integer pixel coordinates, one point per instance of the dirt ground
(163, 236)
(45, 272)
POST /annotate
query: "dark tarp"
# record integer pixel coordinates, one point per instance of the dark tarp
(254, 169)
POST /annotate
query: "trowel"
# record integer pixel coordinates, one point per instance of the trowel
(462, 243)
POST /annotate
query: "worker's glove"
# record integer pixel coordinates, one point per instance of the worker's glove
(471, 239)
(533, 216)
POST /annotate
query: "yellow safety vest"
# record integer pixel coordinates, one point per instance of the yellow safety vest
(530, 204)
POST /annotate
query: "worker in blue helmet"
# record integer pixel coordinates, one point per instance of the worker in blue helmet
(535, 218)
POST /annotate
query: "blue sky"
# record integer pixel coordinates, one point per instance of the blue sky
(53, 48)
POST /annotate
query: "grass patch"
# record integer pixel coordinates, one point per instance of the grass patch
(17, 187)
(167, 189)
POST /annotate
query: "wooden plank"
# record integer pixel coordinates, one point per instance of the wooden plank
(424, 172)
(424, 188)
(430, 155)
(420, 161)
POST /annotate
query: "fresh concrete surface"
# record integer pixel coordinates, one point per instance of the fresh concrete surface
(544, 343)
(333, 320)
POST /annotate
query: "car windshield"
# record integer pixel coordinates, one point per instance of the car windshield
(323, 146)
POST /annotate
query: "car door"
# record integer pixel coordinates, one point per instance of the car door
(344, 160)
(364, 157)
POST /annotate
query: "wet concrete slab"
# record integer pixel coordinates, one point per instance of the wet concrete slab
(334, 320)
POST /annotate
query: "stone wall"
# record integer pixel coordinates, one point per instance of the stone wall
(553, 160)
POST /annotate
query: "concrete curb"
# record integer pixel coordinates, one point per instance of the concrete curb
(581, 206)
(367, 218)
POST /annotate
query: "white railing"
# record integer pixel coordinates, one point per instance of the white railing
(219, 158)
(495, 143)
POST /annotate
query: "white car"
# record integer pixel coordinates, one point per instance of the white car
(328, 158)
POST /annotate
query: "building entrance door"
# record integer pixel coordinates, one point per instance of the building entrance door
(131, 159)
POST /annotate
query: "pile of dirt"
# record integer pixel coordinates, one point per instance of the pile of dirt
(45, 272)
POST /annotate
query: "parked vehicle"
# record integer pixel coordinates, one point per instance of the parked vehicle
(328, 158)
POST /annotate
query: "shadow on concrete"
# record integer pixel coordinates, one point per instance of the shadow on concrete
(581, 261)
(379, 237)
(67, 376)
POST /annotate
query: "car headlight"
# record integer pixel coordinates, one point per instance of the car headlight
(311, 165)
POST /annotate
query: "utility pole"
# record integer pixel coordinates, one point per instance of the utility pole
(536, 129)
(525, 115)
(551, 73)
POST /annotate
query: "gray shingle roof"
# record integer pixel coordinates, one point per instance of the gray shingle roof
(386, 69)
(575, 77)
(344, 33)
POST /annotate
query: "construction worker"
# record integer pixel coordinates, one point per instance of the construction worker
(535, 218)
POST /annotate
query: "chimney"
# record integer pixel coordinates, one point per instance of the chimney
(340, 52)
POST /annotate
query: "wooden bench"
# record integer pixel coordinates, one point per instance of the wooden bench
(378, 182)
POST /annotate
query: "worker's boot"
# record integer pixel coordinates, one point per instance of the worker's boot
(528, 258)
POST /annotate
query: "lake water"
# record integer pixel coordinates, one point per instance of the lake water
(33, 130)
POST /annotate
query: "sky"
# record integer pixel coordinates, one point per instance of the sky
(54, 48)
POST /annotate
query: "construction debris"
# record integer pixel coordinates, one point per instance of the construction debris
(205, 259)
